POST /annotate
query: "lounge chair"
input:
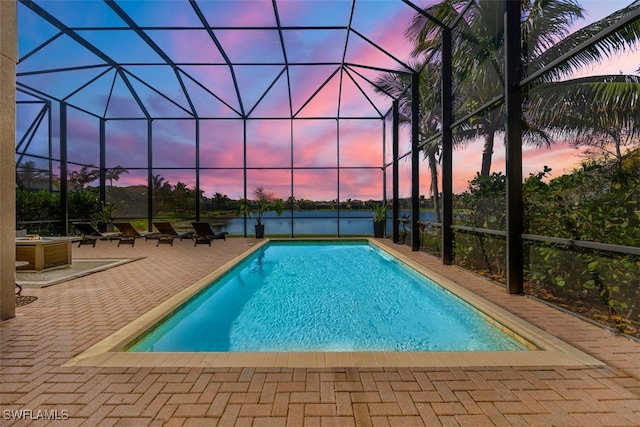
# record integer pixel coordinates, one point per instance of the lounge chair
(205, 234)
(128, 234)
(168, 233)
(90, 234)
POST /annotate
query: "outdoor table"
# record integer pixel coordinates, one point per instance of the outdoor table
(44, 253)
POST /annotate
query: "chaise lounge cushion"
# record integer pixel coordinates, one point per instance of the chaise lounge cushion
(205, 234)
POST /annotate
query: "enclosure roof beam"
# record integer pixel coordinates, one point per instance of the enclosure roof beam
(425, 14)
(126, 81)
(284, 55)
(215, 40)
(69, 32)
(366, 39)
(132, 24)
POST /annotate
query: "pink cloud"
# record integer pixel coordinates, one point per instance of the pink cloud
(173, 176)
(126, 143)
(221, 156)
(173, 154)
(325, 102)
(314, 45)
(275, 103)
(315, 184)
(560, 157)
(228, 183)
(277, 181)
(404, 178)
(134, 177)
(269, 143)
(251, 45)
(305, 80)
(268, 155)
(290, 11)
(194, 46)
(174, 143)
(83, 143)
(217, 79)
(315, 143)
(121, 105)
(353, 101)
(238, 14)
(221, 143)
(388, 34)
(270, 129)
(361, 143)
(362, 184)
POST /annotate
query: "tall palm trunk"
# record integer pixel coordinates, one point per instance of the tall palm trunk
(618, 144)
(487, 153)
(489, 130)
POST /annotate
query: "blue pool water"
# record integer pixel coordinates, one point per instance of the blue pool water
(324, 296)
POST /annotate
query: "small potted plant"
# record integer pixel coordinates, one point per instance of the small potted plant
(379, 218)
(104, 217)
(261, 203)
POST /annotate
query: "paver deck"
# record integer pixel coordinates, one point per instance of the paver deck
(70, 317)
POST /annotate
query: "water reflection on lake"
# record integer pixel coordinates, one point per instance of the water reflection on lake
(321, 222)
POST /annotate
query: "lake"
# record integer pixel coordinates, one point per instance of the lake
(321, 222)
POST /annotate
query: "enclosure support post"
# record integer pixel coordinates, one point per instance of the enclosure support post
(50, 144)
(513, 108)
(415, 161)
(64, 208)
(103, 162)
(385, 196)
(197, 169)
(447, 149)
(395, 215)
(338, 210)
(8, 60)
(150, 173)
(244, 170)
(291, 175)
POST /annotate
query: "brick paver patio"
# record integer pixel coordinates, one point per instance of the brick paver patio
(70, 317)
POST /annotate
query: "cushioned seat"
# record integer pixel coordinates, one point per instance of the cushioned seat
(168, 233)
(205, 234)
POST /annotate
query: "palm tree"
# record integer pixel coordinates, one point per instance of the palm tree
(183, 198)
(28, 175)
(114, 173)
(479, 41)
(397, 85)
(220, 200)
(85, 176)
(161, 191)
(597, 112)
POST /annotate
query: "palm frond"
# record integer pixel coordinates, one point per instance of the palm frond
(590, 105)
(626, 38)
(535, 136)
(547, 21)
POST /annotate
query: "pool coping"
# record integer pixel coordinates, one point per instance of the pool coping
(551, 350)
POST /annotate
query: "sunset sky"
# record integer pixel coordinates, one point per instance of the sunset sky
(263, 81)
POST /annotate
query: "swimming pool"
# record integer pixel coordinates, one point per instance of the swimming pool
(325, 296)
(111, 351)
